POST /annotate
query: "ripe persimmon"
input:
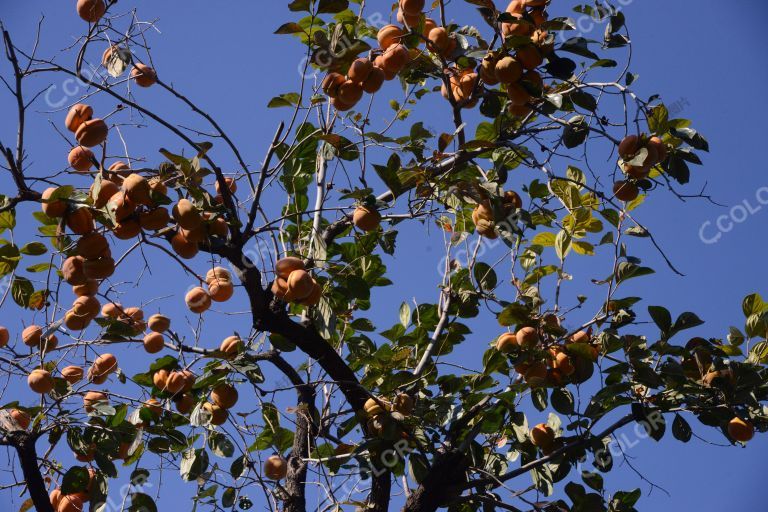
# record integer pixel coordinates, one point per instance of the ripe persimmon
(175, 382)
(395, 58)
(221, 291)
(183, 247)
(5, 336)
(153, 342)
(92, 245)
(529, 56)
(218, 414)
(412, 7)
(506, 343)
(145, 76)
(359, 70)
(77, 115)
(52, 208)
(314, 296)
(40, 381)
(72, 374)
(625, 190)
(136, 188)
(197, 300)
(527, 337)
(285, 266)
(88, 289)
(80, 221)
(106, 190)
(275, 467)
(186, 215)
(740, 430)
(508, 70)
(92, 132)
(230, 346)
(389, 35)
(629, 146)
(366, 218)
(155, 219)
(300, 285)
(100, 268)
(73, 270)
(92, 398)
(120, 205)
(159, 323)
(542, 436)
(184, 402)
(91, 11)
(224, 395)
(331, 84)
(81, 159)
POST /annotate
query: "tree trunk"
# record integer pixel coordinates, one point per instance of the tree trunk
(295, 483)
(24, 443)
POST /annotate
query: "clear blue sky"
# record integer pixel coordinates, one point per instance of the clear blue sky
(698, 55)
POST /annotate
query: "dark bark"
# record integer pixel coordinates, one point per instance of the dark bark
(442, 485)
(381, 490)
(306, 430)
(24, 444)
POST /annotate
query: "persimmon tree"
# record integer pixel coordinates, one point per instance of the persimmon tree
(549, 159)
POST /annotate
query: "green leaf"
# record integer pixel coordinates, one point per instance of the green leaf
(34, 249)
(290, 28)
(681, 429)
(661, 317)
(7, 220)
(284, 100)
(753, 305)
(332, 6)
(22, 290)
(562, 245)
(485, 276)
(627, 270)
(593, 480)
(220, 445)
(194, 462)
(388, 174)
(685, 321)
(75, 480)
(544, 239)
(562, 401)
(141, 502)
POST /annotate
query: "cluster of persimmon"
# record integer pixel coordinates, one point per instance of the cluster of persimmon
(74, 502)
(294, 284)
(699, 364)
(89, 131)
(194, 227)
(515, 67)
(32, 336)
(381, 413)
(367, 74)
(638, 155)
(220, 289)
(178, 385)
(542, 361)
(484, 216)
